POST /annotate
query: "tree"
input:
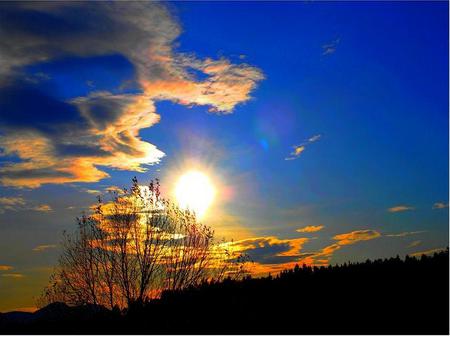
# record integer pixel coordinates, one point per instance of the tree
(133, 247)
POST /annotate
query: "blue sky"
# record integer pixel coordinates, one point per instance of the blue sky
(363, 87)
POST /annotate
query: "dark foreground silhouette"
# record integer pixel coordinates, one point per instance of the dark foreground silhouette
(390, 296)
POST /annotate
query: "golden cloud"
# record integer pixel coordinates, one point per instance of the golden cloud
(400, 208)
(428, 252)
(13, 275)
(42, 248)
(5, 267)
(356, 236)
(42, 208)
(310, 229)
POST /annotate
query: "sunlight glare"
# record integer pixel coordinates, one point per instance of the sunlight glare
(194, 191)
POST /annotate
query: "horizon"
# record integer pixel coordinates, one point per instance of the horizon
(307, 132)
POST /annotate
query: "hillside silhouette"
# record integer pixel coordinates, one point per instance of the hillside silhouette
(390, 296)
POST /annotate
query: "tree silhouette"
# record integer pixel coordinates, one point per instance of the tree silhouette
(132, 248)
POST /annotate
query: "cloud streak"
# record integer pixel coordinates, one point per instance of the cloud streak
(403, 234)
(440, 205)
(298, 149)
(310, 229)
(42, 248)
(400, 208)
(16, 204)
(330, 48)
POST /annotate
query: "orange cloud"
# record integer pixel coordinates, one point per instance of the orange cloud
(323, 256)
(310, 229)
(298, 149)
(356, 236)
(400, 208)
(42, 248)
(13, 275)
(4, 267)
(42, 208)
(293, 246)
(428, 252)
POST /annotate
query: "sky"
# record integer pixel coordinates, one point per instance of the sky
(323, 126)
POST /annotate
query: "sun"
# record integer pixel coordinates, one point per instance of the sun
(194, 191)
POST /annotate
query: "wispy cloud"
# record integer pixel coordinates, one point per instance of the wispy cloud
(400, 208)
(414, 243)
(91, 191)
(330, 48)
(272, 254)
(42, 248)
(440, 205)
(403, 234)
(428, 252)
(13, 275)
(323, 256)
(101, 129)
(270, 249)
(356, 236)
(11, 203)
(310, 229)
(42, 208)
(16, 204)
(298, 149)
(5, 267)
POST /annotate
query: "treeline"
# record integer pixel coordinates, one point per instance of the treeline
(390, 296)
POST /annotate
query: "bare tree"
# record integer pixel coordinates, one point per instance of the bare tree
(133, 247)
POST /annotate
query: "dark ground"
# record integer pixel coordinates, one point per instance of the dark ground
(390, 296)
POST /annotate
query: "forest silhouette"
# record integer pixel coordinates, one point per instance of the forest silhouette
(140, 265)
(390, 296)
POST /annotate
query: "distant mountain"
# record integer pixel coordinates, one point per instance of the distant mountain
(54, 315)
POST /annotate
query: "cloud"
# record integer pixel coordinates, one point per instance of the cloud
(42, 208)
(310, 229)
(400, 208)
(428, 252)
(298, 149)
(96, 192)
(68, 140)
(5, 267)
(414, 243)
(323, 256)
(403, 234)
(270, 249)
(11, 203)
(13, 275)
(42, 248)
(440, 205)
(271, 254)
(330, 48)
(16, 204)
(356, 236)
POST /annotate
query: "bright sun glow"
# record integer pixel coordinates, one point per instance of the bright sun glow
(194, 191)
